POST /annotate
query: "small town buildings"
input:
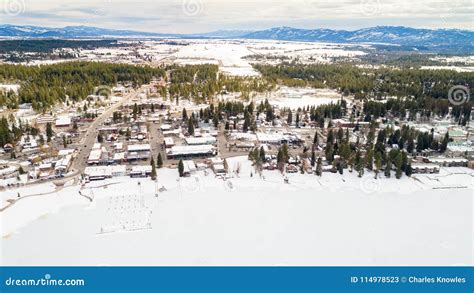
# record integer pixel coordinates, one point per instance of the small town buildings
(189, 167)
(119, 158)
(94, 156)
(424, 168)
(460, 148)
(62, 166)
(140, 171)
(165, 127)
(169, 142)
(174, 132)
(43, 119)
(103, 172)
(217, 165)
(449, 162)
(270, 138)
(200, 140)
(191, 151)
(8, 171)
(63, 121)
(138, 151)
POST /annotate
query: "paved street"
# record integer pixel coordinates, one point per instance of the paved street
(80, 162)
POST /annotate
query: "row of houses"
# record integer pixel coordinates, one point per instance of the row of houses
(94, 173)
(134, 152)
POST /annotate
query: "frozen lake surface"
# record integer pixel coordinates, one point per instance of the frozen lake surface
(202, 220)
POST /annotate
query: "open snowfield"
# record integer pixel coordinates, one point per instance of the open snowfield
(9, 87)
(449, 67)
(297, 97)
(306, 52)
(201, 220)
(228, 54)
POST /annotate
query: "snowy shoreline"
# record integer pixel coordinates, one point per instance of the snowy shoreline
(202, 220)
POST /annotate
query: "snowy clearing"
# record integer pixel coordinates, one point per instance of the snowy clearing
(297, 97)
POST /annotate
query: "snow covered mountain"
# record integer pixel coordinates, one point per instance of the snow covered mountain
(68, 32)
(397, 35)
(440, 39)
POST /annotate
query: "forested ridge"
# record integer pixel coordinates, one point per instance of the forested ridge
(202, 82)
(45, 85)
(362, 82)
(44, 46)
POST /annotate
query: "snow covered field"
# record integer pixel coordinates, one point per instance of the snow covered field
(449, 67)
(228, 54)
(306, 52)
(201, 220)
(9, 87)
(297, 97)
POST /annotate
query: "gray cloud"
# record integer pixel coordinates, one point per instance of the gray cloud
(188, 16)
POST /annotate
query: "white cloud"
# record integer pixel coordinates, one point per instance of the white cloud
(185, 16)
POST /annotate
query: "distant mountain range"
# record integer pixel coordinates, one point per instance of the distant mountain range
(23, 31)
(427, 39)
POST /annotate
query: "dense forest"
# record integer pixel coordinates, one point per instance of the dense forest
(202, 82)
(362, 82)
(44, 46)
(43, 86)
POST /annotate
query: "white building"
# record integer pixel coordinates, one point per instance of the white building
(94, 156)
(103, 172)
(200, 140)
(190, 151)
(138, 151)
(169, 142)
(140, 171)
(63, 121)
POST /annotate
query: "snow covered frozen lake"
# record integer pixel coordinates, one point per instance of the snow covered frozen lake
(202, 220)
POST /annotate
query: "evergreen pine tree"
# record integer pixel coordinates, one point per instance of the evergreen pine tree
(185, 115)
(388, 169)
(408, 170)
(49, 132)
(398, 165)
(159, 161)
(319, 167)
(289, 120)
(181, 168)
(378, 164)
(153, 169)
(262, 154)
(316, 139)
(190, 127)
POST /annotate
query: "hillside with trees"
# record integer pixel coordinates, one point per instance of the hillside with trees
(45, 85)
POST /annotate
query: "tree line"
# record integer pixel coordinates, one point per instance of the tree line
(45, 85)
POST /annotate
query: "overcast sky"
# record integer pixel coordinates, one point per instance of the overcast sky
(191, 16)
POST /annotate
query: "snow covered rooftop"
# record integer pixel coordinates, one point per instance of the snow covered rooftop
(138, 147)
(200, 140)
(190, 150)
